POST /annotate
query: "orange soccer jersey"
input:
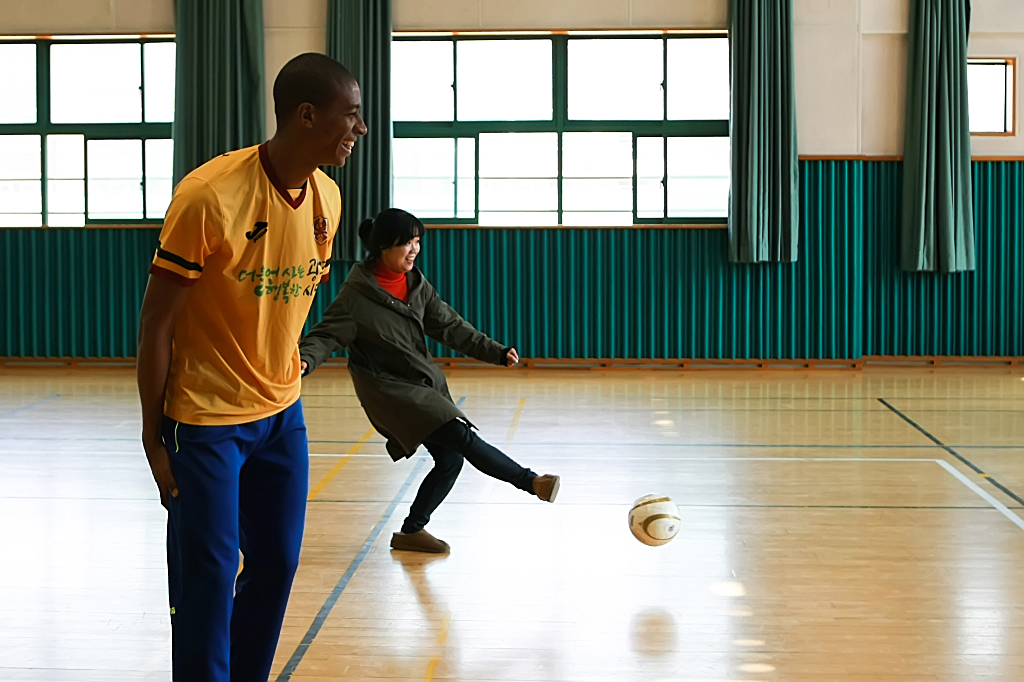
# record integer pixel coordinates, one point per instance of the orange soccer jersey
(253, 253)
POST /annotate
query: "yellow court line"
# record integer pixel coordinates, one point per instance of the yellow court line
(515, 420)
(442, 637)
(431, 669)
(337, 467)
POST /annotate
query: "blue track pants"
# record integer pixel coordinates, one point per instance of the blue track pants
(242, 488)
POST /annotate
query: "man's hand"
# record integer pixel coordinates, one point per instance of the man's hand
(512, 358)
(160, 465)
(160, 307)
(303, 368)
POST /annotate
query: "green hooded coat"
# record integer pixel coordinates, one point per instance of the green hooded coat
(405, 395)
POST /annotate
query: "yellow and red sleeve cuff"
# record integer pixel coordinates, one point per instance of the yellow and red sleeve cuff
(174, 268)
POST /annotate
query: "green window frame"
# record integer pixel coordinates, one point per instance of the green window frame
(561, 123)
(43, 127)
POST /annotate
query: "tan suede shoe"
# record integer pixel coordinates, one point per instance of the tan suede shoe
(420, 541)
(546, 487)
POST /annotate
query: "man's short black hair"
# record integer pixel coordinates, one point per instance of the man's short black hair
(310, 77)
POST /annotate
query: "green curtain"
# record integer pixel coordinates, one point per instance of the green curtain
(218, 98)
(937, 232)
(359, 36)
(764, 207)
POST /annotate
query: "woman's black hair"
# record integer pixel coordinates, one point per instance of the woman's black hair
(391, 227)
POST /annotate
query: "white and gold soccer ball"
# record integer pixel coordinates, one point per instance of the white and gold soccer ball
(654, 519)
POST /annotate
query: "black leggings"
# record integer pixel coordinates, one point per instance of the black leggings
(449, 445)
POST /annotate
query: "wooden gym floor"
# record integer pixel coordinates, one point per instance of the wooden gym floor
(840, 527)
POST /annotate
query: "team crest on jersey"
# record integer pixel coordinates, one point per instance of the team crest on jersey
(320, 229)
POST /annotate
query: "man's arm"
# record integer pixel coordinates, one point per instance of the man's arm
(336, 329)
(160, 307)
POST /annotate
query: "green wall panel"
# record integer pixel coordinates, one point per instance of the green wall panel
(970, 313)
(72, 292)
(656, 293)
(626, 293)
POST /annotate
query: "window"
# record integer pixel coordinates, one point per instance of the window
(991, 96)
(576, 130)
(85, 131)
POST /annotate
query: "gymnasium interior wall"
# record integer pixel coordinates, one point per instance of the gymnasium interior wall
(629, 292)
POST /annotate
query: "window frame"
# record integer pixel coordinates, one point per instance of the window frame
(1011, 63)
(43, 126)
(560, 123)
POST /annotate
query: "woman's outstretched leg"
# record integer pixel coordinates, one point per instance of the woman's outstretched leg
(449, 445)
(458, 436)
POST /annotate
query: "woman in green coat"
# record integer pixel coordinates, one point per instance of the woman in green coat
(382, 314)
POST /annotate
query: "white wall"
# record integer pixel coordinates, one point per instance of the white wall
(48, 17)
(290, 28)
(851, 61)
(850, 54)
(468, 15)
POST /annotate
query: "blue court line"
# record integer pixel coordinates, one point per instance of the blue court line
(612, 444)
(829, 446)
(29, 407)
(1009, 493)
(325, 610)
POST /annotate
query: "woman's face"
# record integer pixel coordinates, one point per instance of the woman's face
(401, 258)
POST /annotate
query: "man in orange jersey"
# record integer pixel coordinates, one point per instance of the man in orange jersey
(244, 246)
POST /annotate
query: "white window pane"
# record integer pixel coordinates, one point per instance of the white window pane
(1011, 90)
(159, 171)
(518, 155)
(518, 219)
(597, 195)
(650, 172)
(698, 197)
(616, 79)
(597, 155)
(420, 157)
(425, 198)
(466, 149)
(21, 187)
(698, 156)
(66, 220)
(597, 218)
(467, 157)
(424, 176)
(96, 83)
(18, 83)
(19, 219)
(65, 156)
(650, 198)
(987, 96)
(159, 61)
(21, 196)
(20, 157)
(698, 176)
(504, 80)
(115, 179)
(650, 157)
(113, 159)
(422, 73)
(467, 198)
(698, 78)
(65, 196)
(518, 195)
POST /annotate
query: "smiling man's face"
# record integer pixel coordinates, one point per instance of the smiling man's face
(337, 126)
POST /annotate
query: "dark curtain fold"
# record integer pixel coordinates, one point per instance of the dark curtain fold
(764, 207)
(218, 97)
(937, 232)
(359, 36)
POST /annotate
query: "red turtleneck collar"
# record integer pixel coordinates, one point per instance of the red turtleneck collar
(390, 281)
